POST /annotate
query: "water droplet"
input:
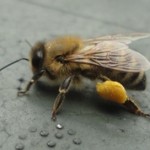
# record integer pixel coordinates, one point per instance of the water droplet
(59, 126)
(32, 129)
(35, 142)
(22, 136)
(44, 133)
(51, 144)
(77, 141)
(19, 146)
(59, 135)
(65, 146)
(71, 132)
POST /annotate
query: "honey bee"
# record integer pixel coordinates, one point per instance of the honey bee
(67, 60)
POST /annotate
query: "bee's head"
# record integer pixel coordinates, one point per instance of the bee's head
(37, 56)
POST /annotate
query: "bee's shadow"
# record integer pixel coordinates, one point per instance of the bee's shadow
(84, 97)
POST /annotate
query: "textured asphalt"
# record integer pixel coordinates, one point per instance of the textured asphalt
(87, 122)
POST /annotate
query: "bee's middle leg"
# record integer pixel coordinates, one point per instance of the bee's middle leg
(63, 89)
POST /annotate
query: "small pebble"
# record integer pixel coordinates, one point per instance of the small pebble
(21, 80)
(71, 132)
(59, 135)
(19, 146)
(122, 130)
(59, 126)
(44, 133)
(77, 141)
(51, 144)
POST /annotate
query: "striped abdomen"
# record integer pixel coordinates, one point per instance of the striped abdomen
(130, 80)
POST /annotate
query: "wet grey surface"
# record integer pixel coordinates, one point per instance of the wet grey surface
(92, 123)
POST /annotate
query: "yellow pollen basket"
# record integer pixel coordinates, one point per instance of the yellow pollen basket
(112, 91)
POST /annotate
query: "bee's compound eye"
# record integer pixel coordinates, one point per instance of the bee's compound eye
(37, 59)
(39, 54)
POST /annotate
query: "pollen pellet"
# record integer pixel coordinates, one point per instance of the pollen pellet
(112, 91)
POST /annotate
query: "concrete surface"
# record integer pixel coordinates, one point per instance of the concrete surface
(93, 124)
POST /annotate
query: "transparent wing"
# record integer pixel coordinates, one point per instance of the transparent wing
(122, 38)
(111, 54)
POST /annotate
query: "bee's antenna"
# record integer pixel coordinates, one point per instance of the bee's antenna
(13, 63)
(28, 43)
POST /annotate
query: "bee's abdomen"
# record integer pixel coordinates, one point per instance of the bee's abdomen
(130, 80)
(136, 81)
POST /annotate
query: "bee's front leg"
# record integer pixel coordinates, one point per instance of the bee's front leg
(63, 89)
(31, 82)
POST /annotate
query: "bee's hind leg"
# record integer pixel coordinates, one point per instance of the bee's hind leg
(104, 78)
(131, 106)
(31, 82)
(63, 89)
